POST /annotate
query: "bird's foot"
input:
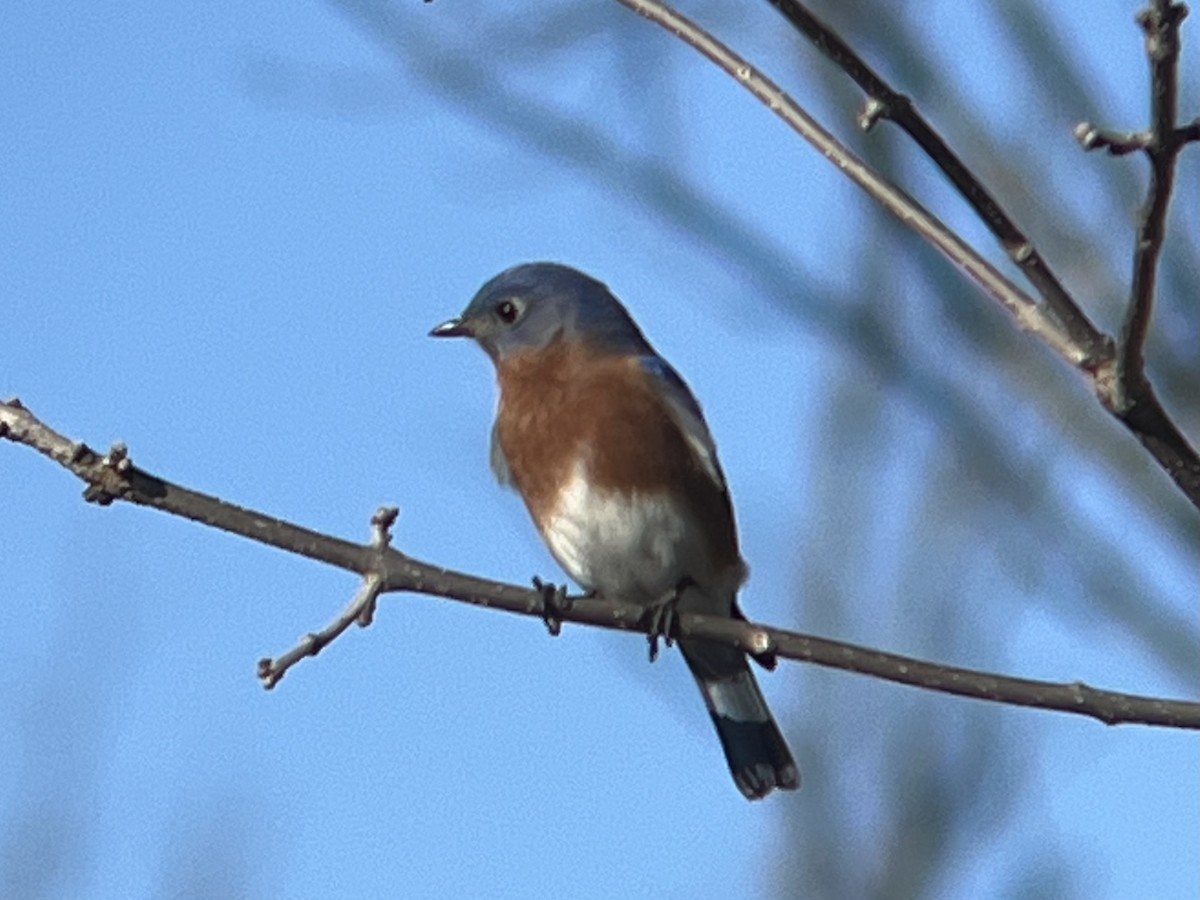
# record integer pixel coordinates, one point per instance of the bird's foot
(555, 602)
(661, 619)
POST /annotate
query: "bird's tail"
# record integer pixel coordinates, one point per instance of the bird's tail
(758, 756)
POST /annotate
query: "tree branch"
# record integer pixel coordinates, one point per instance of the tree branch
(1126, 390)
(112, 476)
(1071, 336)
(1162, 143)
(360, 610)
(883, 102)
(1028, 313)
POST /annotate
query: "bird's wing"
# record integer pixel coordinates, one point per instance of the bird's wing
(684, 409)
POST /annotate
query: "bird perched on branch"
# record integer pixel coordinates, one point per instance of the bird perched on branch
(611, 454)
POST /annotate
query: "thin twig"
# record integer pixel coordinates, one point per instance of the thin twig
(1160, 21)
(1123, 387)
(271, 670)
(114, 477)
(360, 610)
(884, 102)
(1029, 314)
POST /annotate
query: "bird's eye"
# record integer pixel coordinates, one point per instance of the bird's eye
(507, 311)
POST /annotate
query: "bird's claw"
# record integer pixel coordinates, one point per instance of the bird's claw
(554, 603)
(661, 623)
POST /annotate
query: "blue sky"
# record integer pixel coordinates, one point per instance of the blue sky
(226, 232)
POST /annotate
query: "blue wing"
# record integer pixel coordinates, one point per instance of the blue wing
(686, 412)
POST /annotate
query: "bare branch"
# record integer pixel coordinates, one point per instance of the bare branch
(883, 102)
(114, 477)
(1028, 312)
(1134, 404)
(271, 670)
(1122, 386)
(360, 610)
(1160, 21)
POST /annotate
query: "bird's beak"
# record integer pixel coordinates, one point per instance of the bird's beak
(455, 327)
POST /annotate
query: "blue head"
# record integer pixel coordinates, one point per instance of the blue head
(532, 305)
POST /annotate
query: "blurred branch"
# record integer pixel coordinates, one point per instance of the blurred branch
(112, 476)
(1133, 404)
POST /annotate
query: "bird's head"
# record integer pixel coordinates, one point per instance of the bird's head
(533, 305)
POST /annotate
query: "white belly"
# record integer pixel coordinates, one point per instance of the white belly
(635, 548)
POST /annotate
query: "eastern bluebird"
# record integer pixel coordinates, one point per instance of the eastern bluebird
(611, 454)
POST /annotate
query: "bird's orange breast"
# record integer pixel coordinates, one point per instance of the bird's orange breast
(566, 405)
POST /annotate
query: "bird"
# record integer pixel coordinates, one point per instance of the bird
(611, 454)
